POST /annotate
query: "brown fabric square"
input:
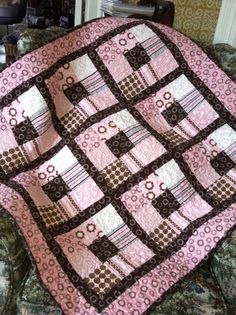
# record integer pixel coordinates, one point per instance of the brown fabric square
(56, 188)
(131, 86)
(102, 280)
(166, 204)
(222, 163)
(103, 248)
(137, 57)
(116, 173)
(221, 190)
(24, 132)
(174, 114)
(72, 120)
(51, 216)
(119, 144)
(12, 159)
(75, 93)
(173, 137)
(163, 235)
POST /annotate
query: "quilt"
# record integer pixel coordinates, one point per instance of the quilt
(117, 162)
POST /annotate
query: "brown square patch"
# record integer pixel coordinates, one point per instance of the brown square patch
(174, 114)
(221, 190)
(131, 86)
(12, 159)
(137, 57)
(116, 173)
(51, 216)
(119, 144)
(163, 235)
(222, 163)
(102, 280)
(72, 120)
(103, 248)
(173, 137)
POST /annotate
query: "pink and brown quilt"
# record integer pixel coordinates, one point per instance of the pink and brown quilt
(117, 162)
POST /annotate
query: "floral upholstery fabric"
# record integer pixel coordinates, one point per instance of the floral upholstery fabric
(225, 55)
(14, 265)
(223, 264)
(33, 38)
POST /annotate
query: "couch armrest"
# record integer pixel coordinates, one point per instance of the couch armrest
(14, 263)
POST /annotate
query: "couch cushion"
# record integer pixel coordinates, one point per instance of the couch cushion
(14, 263)
(223, 264)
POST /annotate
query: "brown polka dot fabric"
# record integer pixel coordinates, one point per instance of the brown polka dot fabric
(163, 235)
(102, 280)
(12, 160)
(173, 137)
(131, 86)
(51, 216)
(221, 190)
(72, 120)
(116, 173)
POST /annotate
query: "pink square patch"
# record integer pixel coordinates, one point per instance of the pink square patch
(137, 253)
(203, 115)
(164, 64)
(86, 194)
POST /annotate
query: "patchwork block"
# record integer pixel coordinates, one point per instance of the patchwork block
(131, 86)
(224, 136)
(72, 120)
(116, 173)
(94, 83)
(56, 189)
(222, 163)
(102, 280)
(51, 215)
(83, 67)
(103, 249)
(76, 93)
(163, 234)
(137, 57)
(24, 132)
(12, 159)
(165, 204)
(221, 190)
(154, 46)
(108, 219)
(119, 144)
(170, 174)
(122, 237)
(174, 114)
(173, 137)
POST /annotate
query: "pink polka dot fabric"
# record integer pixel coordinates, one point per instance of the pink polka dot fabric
(117, 162)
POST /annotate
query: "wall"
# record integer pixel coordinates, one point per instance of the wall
(226, 26)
